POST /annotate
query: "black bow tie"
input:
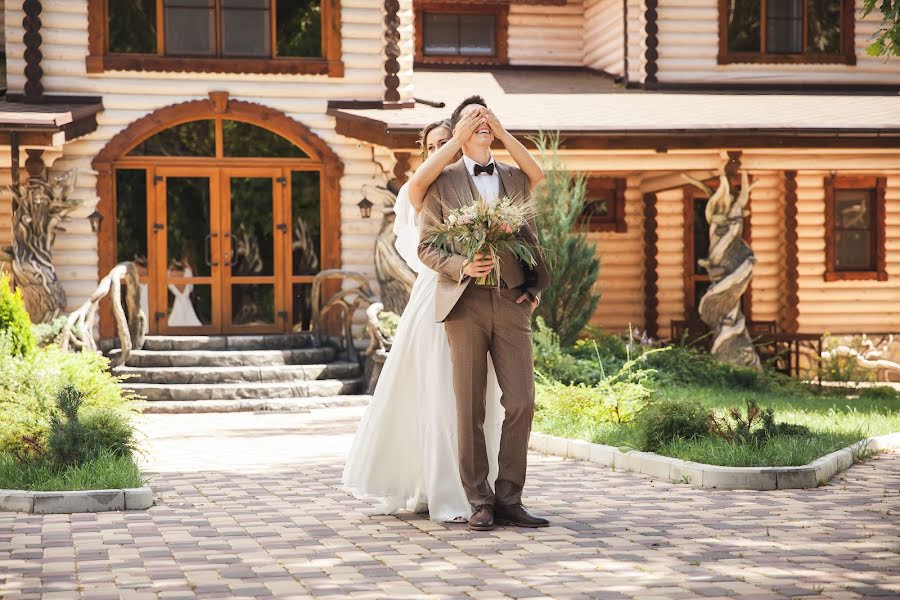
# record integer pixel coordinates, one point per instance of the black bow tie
(478, 170)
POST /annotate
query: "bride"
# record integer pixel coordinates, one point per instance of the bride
(404, 454)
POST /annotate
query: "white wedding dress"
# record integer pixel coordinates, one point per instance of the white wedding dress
(183, 313)
(405, 455)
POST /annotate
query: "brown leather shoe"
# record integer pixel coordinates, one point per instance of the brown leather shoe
(518, 515)
(483, 519)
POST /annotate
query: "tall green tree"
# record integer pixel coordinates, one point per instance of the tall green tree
(567, 305)
(887, 38)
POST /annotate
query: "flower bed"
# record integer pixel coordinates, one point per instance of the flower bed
(64, 421)
(681, 403)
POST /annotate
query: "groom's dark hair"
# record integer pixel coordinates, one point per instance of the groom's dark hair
(454, 118)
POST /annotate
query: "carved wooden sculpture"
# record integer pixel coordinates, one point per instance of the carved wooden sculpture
(40, 204)
(347, 300)
(730, 267)
(395, 278)
(79, 330)
(870, 356)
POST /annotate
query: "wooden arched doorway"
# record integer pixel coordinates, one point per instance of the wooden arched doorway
(229, 209)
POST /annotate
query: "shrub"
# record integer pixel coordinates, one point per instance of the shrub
(28, 388)
(681, 364)
(567, 305)
(616, 399)
(756, 427)
(667, 420)
(553, 362)
(75, 439)
(388, 321)
(49, 333)
(879, 392)
(14, 319)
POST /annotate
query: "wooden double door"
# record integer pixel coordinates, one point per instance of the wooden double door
(219, 244)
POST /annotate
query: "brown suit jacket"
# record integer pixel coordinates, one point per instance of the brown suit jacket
(452, 189)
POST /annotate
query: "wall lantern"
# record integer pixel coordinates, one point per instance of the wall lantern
(365, 208)
(95, 219)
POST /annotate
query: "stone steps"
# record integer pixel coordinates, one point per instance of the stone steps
(166, 343)
(225, 373)
(239, 391)
(281, 405)
(238, 374)
(228, 358)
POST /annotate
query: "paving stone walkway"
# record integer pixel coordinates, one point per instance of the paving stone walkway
(250, 506)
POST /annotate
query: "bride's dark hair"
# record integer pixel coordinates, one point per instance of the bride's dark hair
(423, 135)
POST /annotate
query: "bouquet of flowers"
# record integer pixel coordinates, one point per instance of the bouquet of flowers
(489, 229)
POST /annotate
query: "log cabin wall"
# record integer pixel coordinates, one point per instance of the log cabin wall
(670, 256)
(636, 23)
(837, 307)
(689, 44)
(545, 34)
(603, 34)
(845, 306)
(767, 231)
(128, 96)
(407, 49)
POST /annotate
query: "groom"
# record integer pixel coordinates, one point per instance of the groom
(482, 320)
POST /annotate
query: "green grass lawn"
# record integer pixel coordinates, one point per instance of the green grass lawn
(837, 418)
(102, 473)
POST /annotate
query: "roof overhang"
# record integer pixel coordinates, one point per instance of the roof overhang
(405, 137)
(593, 113)
(51, 122)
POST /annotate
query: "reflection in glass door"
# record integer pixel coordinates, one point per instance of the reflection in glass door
(253, 241)
(187, 247)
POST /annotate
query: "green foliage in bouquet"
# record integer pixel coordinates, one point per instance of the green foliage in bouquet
(567, 305)
(14, 319)
(483, 228)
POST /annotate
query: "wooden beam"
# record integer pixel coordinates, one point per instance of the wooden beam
(651, 290)
(791, 310)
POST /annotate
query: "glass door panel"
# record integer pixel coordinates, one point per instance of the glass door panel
(253, 253)
(188, 248)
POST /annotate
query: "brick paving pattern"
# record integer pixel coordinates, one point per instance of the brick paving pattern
(249, 506)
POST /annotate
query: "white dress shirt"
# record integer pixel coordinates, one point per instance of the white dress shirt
(488, 185)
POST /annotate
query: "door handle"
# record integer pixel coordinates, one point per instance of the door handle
(234, 257)
(207, 249)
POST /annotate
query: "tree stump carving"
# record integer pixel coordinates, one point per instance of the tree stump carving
(395, 278)
(40, 205)
(730, 267)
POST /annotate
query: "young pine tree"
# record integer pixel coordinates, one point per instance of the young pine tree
(567, 305)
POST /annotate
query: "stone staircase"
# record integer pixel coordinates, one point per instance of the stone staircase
(235, 373)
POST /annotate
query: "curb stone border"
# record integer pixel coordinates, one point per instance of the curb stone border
(87, 501)
(711, 476)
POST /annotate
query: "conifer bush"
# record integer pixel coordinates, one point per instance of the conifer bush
(567, 305)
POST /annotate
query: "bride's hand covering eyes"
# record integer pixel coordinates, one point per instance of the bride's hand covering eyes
(467, 125)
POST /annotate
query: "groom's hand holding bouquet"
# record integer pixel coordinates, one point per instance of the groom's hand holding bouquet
(482, 232)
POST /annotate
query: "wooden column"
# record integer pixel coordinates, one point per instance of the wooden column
(34, 89)
(651, 291)
(391, 50)
(34, 164)
(401, 168)
(791, 313)
(650, 54)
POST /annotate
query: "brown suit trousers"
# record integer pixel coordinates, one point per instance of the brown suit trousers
(487, 320)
